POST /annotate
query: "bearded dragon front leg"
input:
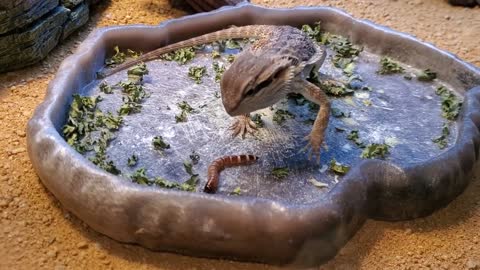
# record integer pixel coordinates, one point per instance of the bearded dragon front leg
(243, 125)
(316, 136)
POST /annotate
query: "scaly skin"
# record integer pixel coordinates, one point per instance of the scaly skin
(275, 65)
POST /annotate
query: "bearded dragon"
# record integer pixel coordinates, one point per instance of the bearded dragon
(276, 64)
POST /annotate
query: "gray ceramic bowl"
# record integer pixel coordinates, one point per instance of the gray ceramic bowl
(248, 227)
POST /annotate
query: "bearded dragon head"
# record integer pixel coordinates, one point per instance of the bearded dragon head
(255, 82)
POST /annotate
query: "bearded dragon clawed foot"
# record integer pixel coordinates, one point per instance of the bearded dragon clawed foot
(243, 125)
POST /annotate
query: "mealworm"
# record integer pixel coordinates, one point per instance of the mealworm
(221, 163)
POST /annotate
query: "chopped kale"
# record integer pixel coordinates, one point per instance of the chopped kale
(353, 136)
(375, 150)
(281, 116)
(159, 143)
(280, 172)
(196, 73)
(180, 56)
(132, 161)
(335, 88)
(388, 66)
(129, 107)
(219, 69)
(442, 140)
(451, 105)
(230, 58)
(427, 76)
(140, 177)
(105, 88)
(313, 32)
(118, 58)
(136, 73)
(81, 119)
(188, 167)
(232, 44)
(215, 54)
(237, 191)
(191, 184)
(108, 120)
(338, 167)
(185, 110)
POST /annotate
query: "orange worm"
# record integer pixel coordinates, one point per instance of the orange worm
(221, 163)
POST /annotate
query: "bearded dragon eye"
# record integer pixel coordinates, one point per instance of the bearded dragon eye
(259, 87)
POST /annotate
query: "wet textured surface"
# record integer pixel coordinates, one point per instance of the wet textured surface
(406, 114)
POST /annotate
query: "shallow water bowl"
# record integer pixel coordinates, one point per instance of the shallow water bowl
(280, 221)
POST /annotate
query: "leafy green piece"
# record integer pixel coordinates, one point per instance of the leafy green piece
(215, 54)
(442, 140)
(196, 73)
(181, 117)
(118, 58)
(185, 110)
(219, 70)
(159, 143)
(232, 44)
(105, 88)
(375, 150)
(338, 167)
(367, 102)
(188, 167)
(237, 191)
(129, 107)
(100, 159)
(180, 56)
(451, 105)
(313, 32)
(132, 161)
(140, 177)
(159, 181)
(343, 47)
(136, 73)
(108, 120)
(81, 119)
(427, 76)
(230, 58)
(257, 119)
(388, 66)
(335, 88)
(190, 184)
(281, 116)
(353, 136)
(135, 92)
(280, 172)
(184, 106)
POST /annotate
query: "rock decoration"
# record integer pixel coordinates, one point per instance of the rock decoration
(467, 3)
(206, 5)
(30, 29)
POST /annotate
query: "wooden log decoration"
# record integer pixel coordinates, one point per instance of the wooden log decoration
(206, 5)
